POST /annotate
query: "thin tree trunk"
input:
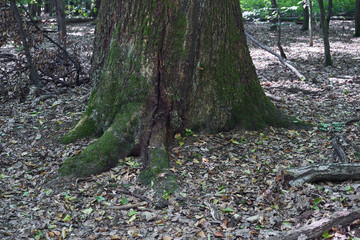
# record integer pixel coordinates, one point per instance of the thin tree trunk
(329, 14)
(33, 73)
(325, 30)
(311, 24)
(49, 7)
(357, 19)
(60, 17)
(39, 7)
(273, 14)
(277, 23)
(282, 53)
(305, 25)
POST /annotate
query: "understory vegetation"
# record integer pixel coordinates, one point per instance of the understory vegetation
(261, 9)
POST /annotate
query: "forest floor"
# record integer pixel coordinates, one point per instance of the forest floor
(229, 186)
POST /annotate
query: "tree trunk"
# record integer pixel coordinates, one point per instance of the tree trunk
(161, 67)
(33, 73)
(273, 14)
(311, 24)
(33, 9)
(325, 30)
(305, 25)
(329, 14)
(276, 25)
(40, 2)
(357, 19)
(49, 6)
(60, 18)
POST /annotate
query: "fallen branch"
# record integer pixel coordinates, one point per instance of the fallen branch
(351, 121)
(282, 60)
(318, 172)
(7, 57)
(125, 207)
(273, 97)
(316, 229)
(143, 198)
(296, 90)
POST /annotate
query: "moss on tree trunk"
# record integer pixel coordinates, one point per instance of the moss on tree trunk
(160, 67)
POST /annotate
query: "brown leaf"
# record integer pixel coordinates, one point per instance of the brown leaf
(219, 234)
(201, 234)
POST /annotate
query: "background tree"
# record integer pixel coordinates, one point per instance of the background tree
(33, 72)
(35, 8)
(60, 18)
(325, 30)
(159, 68)
(274, 15)
(49, 6)
(311, 20)
(305, 25)
(357, 19)
(277, 17)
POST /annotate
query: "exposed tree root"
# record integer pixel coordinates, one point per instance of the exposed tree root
(351, 121)
(316, 229)
(116, 143)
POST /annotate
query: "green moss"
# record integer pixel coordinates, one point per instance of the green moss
(98, 157)
(164, 183)
(159, 160)
(114, 144)
(85, 127)
(179, 34)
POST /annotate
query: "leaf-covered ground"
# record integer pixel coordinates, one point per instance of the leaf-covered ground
(229, 184)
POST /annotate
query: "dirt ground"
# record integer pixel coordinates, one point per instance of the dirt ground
(229, 185)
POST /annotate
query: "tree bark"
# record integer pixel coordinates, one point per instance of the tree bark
(357, 19)
(158, 68)
(325, 30)
(305, 25)
(33, 73)
(311, 24)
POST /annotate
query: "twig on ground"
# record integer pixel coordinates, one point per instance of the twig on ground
(125, 207)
